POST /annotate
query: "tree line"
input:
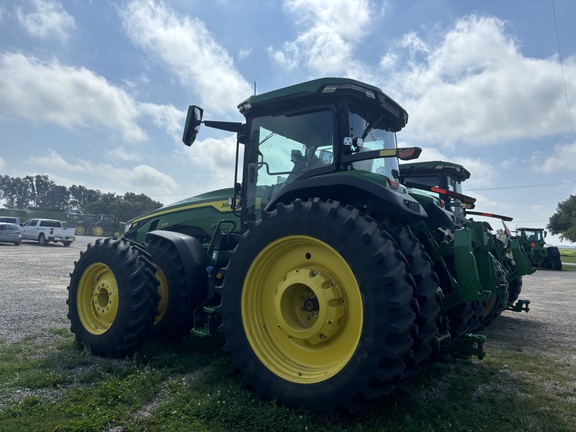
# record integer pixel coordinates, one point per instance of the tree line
(563, 222)
(40, 191)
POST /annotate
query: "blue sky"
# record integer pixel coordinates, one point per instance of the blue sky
(95, 92)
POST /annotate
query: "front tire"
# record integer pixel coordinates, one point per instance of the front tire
(112, 297)
(317, 307)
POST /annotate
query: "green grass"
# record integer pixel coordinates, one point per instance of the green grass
(55, 385)
(568, 255)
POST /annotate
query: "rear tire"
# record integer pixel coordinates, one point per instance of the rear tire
(177, 302)
(496, 303)
(514, 290)
(98, 231)
(112, 297)
(67, 243)
(427, 296)
(317, 307)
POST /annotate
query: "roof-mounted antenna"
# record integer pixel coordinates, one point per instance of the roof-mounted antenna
(254, 88)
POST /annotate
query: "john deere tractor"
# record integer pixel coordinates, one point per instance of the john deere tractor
(541, 255)
(444, 179)
(331, 284)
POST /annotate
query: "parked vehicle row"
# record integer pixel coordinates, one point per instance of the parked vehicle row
(10, 233)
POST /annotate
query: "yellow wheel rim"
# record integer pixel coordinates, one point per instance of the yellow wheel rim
(98, 231)
(80, 230)
(302, 309)
(163, 293)
(98, 298)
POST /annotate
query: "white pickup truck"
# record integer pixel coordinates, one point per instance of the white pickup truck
(48, 230)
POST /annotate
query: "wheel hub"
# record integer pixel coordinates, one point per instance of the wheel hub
(308, 305)
(103, 298)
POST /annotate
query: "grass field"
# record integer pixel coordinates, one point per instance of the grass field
(568, 255)
(58, 386)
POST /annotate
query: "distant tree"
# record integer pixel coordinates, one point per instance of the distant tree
(136, 204)
(125, 207)
(563, 222)
(40, 187)
(16, 192)
(57, 197)
(80, 196)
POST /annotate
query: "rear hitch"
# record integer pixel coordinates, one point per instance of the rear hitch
(465, 347)
(521, 305)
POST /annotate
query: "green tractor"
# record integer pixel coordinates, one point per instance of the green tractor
(83, 222)
(106, 225)
(331, 284)
(541, 255)
(444, 179)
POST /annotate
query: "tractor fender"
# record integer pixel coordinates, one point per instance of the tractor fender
(366, 191)
(191, 252)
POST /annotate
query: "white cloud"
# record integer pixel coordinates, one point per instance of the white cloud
(122, 154)
(475, 86)
(45, 19)
(167, 117)
(70, 97)
(329, 35)
(211, 163)
(106, 177)
(188, 50)
(564, 158)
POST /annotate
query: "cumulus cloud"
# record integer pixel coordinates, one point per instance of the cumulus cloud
(326, 42)
(107, 176)
(475, 86)
(186, 48)
(122, 154)
(215, 156)
(166, 117)
(71, 97)
(45, 19)
(562, 159)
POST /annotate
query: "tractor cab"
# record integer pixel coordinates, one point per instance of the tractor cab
(331, 136)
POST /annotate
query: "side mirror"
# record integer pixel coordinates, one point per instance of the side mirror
(409, 153)
(192, 126)
(545, 234)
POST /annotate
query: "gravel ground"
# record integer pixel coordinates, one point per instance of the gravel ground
(34, 279)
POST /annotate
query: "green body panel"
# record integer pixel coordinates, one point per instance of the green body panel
(197, 214)
(523, 265)
(470, 287)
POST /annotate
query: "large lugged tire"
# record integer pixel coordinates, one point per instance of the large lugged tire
(427, 295)
(112, 297)
(317, 307)
(496, 303)
(177, 302)
(556, 263)
(514, 290)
